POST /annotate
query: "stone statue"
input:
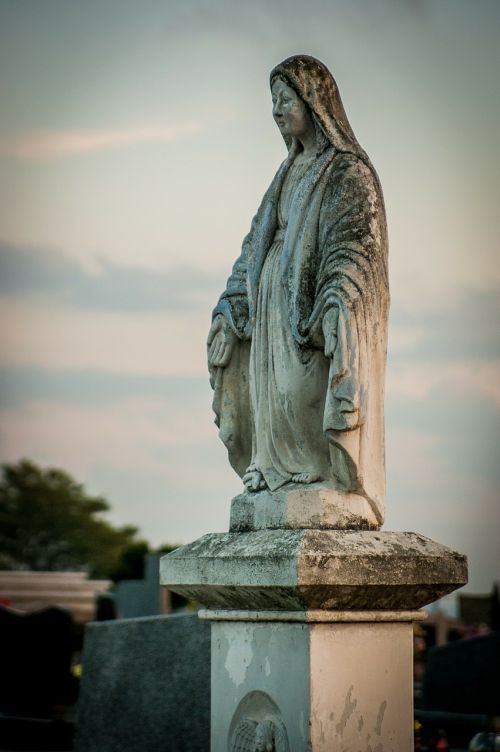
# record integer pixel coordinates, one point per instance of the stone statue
(297, 346)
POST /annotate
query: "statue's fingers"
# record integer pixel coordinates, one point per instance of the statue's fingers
(215, 348)
(222, 355)
(211, 351)
(226, 355)
(218, 349)
(211, 334)
(216, 325)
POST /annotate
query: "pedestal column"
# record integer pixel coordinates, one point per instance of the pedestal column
(312, 632)
(325, 680)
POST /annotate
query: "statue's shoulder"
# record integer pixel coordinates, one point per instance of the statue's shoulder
(347, 162)
(353, 171)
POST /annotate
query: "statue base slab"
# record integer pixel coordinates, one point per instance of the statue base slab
(297, 570)
(317, 506)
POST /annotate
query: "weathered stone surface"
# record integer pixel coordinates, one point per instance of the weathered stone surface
(313, 616)
(309, 291)
(314, 569)
(323, 687)
(145, 686)
(317, 506)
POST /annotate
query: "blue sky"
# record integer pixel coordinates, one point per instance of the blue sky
(135, 144)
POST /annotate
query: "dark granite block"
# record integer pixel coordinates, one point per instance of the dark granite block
(145, 686)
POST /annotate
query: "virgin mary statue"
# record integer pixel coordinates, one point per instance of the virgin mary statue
(297, 346)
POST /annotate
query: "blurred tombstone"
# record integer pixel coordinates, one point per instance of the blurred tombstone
(105, 607)
(37, 688)
(145, 686)
(463, 676)
(35, 656)
(141, 597)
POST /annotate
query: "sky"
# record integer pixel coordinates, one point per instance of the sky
(136, 141)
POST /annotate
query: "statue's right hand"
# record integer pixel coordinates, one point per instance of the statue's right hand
(220, 343)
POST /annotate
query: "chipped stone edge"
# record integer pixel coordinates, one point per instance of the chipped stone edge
(311, 616)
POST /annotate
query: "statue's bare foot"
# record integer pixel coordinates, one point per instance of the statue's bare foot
(253, 479)
(304, 478)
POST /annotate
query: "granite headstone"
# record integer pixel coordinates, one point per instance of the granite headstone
(145, 686)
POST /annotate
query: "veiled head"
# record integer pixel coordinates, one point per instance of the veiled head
(316, 87)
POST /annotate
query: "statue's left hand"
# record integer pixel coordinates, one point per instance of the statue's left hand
(220, 342)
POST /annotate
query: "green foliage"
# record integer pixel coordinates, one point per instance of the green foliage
(167, 548)
(49, 522)
(131, 563)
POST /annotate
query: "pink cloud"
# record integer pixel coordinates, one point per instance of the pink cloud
(167, 440)
(163, 344)
(404, 338)
(49, 144)
(131, 433)
(467, 377)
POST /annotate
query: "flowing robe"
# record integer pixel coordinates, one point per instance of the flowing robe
(333, 254)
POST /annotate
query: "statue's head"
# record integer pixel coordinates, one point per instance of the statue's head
(293, 116)
(313, 84)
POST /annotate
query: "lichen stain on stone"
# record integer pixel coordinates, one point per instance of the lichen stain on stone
(238, 658)
(380, 717)
(369, 748)
(349, 708)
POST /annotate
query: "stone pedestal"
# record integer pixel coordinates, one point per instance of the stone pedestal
(312, 638)
(338, 683)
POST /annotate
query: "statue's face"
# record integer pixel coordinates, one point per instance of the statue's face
(289, 111)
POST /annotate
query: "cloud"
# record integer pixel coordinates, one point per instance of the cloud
(107, 286)
(403, 338)
(465, 329)
(112, 318)
(450, 355)
(25, 384)
(430, 492)
(154, 458)
(159, 344)
(53, 144)
(473, 378)
(164, 436)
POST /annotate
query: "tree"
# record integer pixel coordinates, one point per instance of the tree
(131, 563)
(49, 522)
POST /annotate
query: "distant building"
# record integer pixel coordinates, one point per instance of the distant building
(27, 591)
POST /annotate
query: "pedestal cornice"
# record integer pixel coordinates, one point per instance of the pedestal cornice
(308, 570)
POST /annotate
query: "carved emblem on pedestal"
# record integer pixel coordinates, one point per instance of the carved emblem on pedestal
(257, 726)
